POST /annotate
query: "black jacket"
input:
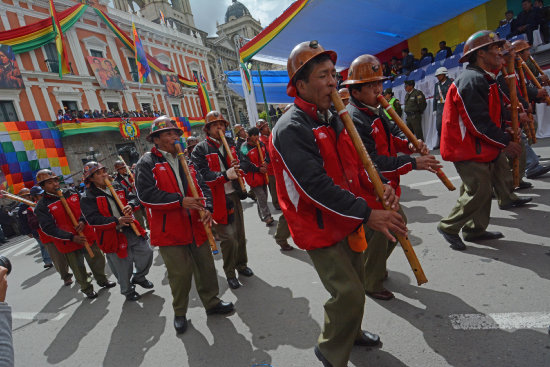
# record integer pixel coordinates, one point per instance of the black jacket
(46, 219)
(88, 204)
(22, 212)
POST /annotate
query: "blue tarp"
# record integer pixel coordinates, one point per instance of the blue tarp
(275, 82)
(356, 27)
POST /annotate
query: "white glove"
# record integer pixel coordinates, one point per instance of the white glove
(232, 174)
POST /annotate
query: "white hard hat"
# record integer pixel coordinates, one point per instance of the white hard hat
(441, 71)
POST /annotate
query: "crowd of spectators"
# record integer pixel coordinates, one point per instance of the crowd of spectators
(533, 16)
(70, 115)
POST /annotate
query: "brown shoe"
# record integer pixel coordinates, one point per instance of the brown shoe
(384, 295)
(68, 281)
(286, 247)
(269, 222)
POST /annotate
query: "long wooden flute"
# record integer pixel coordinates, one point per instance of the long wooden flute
(511, 81)
(262, 159)
(127, 168)
(16, 198)
(526, 127)
(73, 220)
(537, 66)
(195, 193)
(377, 182)
(412, 138)
(230, 155)
(119, 203)
(531, 125)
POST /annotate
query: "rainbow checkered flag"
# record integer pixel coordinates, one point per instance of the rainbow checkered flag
(141, 57)
(59, 43)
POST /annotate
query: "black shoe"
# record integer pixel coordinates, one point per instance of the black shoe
(367, 339)
(321, 357)
(221, 308)
(486, 235)
(524, 185)
(48, 266)
(233, 283)
(145, 283)
(180, 324)
(134, 296)
(107, 284)
(277, 207)
(247, 272)
(454, 240)
(515, 204)
(91, 294)
(539, 171)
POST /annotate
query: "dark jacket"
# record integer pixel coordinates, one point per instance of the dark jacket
(158, 190)
(22, 220)
(440, 92)
(383, 140)
(125, 181)
(473, 118)
(415, 103)
(251, 162)
(320, 179)
(97, 211)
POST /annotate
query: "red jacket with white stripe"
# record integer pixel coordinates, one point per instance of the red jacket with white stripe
(320, 179)
(383, 141)
(473, 119)
(97, 211)
(56, 224)
(265, 140)
(157, 189)
(251, 163)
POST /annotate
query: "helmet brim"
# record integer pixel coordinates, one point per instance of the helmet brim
(156, 133)
(466, 57)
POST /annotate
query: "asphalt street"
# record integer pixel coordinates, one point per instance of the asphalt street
(486, 306)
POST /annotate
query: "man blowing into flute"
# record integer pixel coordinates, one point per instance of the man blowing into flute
(176, 225)
(122, 246)
(56, 223)
(319, 191)
(383, 140)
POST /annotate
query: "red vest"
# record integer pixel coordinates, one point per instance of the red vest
(44, 238)
(265, 139)
(63, 222)
(254, 179)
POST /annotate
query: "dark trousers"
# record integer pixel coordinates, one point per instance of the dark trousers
(96, 264)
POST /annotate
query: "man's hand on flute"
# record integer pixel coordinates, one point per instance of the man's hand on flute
(189, 202)
(512, 150)
(423, 148)
(387, 222)
(428, 163)
(81, 240)
(127, 211)
(207, 218)
(80, 227)
(125, 221)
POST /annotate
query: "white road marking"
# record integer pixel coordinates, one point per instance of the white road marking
(27, 248)
(39, 316)
(505, 320)
(431, 182)
(16, 247)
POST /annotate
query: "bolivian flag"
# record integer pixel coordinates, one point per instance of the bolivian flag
(59, 43)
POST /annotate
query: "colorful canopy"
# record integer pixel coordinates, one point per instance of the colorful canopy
(350, 27)
(275, 82)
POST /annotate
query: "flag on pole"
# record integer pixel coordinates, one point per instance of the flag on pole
(203, 95)
(162, 20)
(141, 58)
(59, 43)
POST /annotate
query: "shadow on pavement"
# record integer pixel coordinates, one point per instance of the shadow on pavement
(229, 349)
(274, 316)
(419, 214)
(82, 321)
(411, 194)
(458, 347)
(138, 329)
(370, 357)
(35, 279)
(520, 254)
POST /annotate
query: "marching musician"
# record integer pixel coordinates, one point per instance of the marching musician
(383, 140)
(124, 178)
(474, 139)
(220, 172)
(124, 249)
(55, 223)
(265, 133)
(318, 187)
(176, 226)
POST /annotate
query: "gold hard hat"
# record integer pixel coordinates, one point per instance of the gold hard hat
(365, 69)
(44, 175)
(520, 45)
(24, 191)
(478, 40)
(301, 55)
(344, 93)
(163, 123)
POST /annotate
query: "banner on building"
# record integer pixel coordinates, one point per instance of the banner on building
(106, 72)
(10, 76)
(27, 147)
(172, 84)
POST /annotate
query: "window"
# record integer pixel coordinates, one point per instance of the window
(176, 109)
(133, 69)
(51, 57)
(96, 53)
(113, 106)
(70, 105)
(146, 107)
(7, 111)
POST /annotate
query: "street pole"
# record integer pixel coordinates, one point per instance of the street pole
(265, 100)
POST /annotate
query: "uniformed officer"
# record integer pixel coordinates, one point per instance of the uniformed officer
(473, 138)
(319, 178)
(394, 102)
(415, 104)
(440, 92)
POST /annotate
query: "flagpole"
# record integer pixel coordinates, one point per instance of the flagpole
(265, 100)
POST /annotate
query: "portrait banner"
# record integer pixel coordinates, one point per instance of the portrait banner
(106, 73)
(172, 84)
(10, 76)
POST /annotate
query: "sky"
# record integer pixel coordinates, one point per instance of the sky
(207, 12)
